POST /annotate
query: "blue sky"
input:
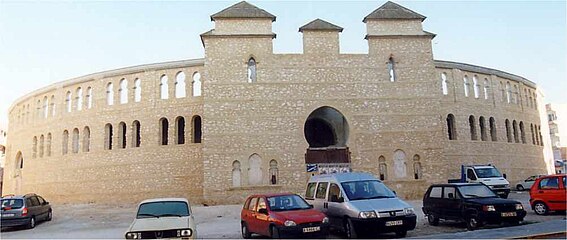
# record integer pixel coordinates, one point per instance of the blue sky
(47, 42)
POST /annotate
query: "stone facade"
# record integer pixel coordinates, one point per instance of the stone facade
(393, 100)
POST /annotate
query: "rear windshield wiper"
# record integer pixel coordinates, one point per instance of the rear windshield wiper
(148, 214)
(170, 215)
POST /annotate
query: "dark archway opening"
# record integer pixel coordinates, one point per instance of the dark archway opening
(326, 130)
(319, 133)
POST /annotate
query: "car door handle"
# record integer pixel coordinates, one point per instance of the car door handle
(326, 205)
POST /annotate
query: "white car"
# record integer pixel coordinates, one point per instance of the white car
(527, 184)
(163, 218)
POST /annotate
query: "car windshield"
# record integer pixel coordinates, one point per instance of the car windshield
(368, 189)
(487, 172)
(287, 203)
(163, 209)
(12, 203)
(476, 191)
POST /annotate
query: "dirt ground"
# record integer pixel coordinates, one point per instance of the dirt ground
(105, 221)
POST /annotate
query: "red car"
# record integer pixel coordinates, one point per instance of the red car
(549, 194)
(283, 215)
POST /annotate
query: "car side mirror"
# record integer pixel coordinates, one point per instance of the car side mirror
(395, 193)
(263, 211)
(45, 203)
(451, 195)
(504, 175)
(310, 205)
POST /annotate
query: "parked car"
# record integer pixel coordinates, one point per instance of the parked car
(283, 215)
(527, 184)
(163, 218)
(549, 194)
(486, 174)
(474, 203)
(26, 210)
(360, 204)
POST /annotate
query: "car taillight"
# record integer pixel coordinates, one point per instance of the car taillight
(24, 212)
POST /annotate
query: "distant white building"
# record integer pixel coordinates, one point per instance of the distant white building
(557, 121)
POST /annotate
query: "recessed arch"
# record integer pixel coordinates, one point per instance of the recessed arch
(326, 127)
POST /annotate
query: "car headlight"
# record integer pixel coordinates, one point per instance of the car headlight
(289, 223)
(367, 214)
(409, 211)
(507, 186)
(488, 208)
(133, 235)
(519, 206)
(184, 233)
(325, 220)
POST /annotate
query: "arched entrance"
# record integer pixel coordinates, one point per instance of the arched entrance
(326, 130)
(19, 166)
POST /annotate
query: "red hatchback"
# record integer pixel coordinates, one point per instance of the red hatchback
(549, 193)
(284, 215)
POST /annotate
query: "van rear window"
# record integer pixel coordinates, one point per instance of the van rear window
(12, 203)
(310, 193)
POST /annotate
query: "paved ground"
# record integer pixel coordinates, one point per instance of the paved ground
(104, 221)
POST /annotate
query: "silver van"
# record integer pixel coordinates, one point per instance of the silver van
(359, 204)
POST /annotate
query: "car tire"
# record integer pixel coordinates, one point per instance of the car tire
(245, 232)
(473, 223)
(49, 215)
(433, 220)
(402, 234)
(274, 233)
(31, 223)
(540, 208)
(349, 228)
(520, 187)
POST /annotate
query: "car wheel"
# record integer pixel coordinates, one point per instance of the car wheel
(473, 223)
(245, 233)
(401, 234)
(349, 228)
(433, 220)
(540, 208)
(274, 233)
(31, 223)
(520, 187)
(49, 215)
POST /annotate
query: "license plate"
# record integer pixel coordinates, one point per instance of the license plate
(394, 223)
(8, 215)
(508, 214)
(311, 229)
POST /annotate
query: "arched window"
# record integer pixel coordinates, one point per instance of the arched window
(516, 95)
(236, 174)
(136, 140)
(123, 91)
(34, 153)
(466, 85)
(382, 168)
(48, 145)
(180, 129)
(38, 114)
(68, 101)
(251, 70)
(197, 129)
(86, 139)
(53, 106)
(108, 135)
(196, 84)
(273, 172)
(109, 94)
(502, 92)
(163, 131)
(452, 131)
(540, 136)
(508, 92)
(75, 140)
(392, 69)
(533, 134)
(122, 134)
(79, 93)
(65, 142)
(535, 101)
(41, 145)
(255, 170)
(180, 85)
(444, 85)
(89, 97)
(515, 129)
(416, 167)
(493, 135)
(400, 169)
(522, 132)
(526, 97)
(137, 90)
(508, 131)
(531, 102)
(45, 111)
(472, 127)
(486, 88)
(482, 124)
(537, 139)
(476, 87)
(163, 88)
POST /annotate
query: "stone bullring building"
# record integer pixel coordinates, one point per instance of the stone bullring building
(244, 120)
